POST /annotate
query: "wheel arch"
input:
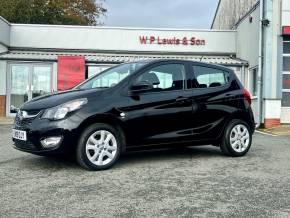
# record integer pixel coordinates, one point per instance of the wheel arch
(106, 119)
(242, 115)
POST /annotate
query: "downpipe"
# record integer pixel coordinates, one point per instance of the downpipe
(260, 70)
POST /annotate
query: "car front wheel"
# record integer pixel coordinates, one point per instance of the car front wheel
(237, 139)
(99, 147)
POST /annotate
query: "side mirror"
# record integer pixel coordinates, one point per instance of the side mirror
(13, 109)
(142, 86)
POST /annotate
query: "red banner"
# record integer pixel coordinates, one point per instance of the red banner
(70, 71)
(286, 30)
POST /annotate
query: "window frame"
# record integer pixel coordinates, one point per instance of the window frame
(193, 76)
(284, 72)
(151, 66)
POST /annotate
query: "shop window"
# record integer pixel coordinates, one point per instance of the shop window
(209, 77)
(95, 69)
(254, 81)
(109, 80)
(286, 63)
(286, 81)
(286, 47)
(286, 99)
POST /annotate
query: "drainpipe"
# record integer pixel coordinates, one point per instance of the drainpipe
(260, 70)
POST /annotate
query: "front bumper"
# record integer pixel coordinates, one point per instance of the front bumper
(38, 129)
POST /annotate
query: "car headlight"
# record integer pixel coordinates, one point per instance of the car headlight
(59, 112)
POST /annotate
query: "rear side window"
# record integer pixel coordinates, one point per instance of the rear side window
(207, 77)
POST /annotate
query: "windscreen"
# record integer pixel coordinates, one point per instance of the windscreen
(111, 77)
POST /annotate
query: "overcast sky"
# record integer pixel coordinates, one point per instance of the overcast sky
(160, 13)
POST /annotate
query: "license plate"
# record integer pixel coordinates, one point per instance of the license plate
(18, 134)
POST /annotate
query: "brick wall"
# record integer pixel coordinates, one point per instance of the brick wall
(2, 105)
(269, 123)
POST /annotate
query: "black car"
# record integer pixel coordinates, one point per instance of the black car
(136, 105)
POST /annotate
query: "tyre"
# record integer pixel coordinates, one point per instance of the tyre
(99, 147)
(237, 138)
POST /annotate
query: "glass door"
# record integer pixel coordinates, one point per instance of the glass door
(28, 81)
(41, 80)
(19, 89)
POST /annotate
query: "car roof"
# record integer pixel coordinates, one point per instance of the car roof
(153, 61)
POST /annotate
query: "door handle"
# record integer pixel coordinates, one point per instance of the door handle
(230, 96)
(181, 99)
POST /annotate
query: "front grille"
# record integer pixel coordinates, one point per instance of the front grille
(26, 117)
(22, 122)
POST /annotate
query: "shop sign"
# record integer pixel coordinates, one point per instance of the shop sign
(190, 41)
(286, 30)
(70, 71)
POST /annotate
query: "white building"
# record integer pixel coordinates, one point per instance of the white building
(263, 39)
(30, 55)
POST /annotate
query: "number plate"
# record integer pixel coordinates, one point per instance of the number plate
(18, 134)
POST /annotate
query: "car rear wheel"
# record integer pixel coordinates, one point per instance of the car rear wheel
(237, 139)
(99, 147)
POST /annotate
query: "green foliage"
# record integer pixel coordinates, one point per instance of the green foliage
(67, 12)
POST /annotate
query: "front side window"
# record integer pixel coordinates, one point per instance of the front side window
(111, 77)
(206, 77)
(166, 77)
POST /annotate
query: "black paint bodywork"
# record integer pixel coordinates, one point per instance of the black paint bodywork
(194, 115)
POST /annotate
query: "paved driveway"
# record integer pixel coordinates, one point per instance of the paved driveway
(189, 182)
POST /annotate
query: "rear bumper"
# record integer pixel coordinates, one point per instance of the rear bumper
(252, 120)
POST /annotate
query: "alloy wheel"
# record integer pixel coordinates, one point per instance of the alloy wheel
(239, 138)
(101, 147)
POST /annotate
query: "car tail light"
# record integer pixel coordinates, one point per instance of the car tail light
(247, 96)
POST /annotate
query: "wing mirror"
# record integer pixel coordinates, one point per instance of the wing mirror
(13, 109)
(142, 86)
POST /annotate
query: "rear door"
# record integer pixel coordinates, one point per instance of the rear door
(161, 115)
(213, 92)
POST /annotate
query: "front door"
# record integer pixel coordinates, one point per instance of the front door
(28, 81)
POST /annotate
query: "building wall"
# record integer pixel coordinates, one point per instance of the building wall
(229, 13)
(286, 13)
(285, 113)
(3, 65)
(248, 38)
(4, 43)
(272, 56)
(248, 49)
(4, 32)
(4, 35)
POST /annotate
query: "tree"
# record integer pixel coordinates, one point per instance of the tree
(67, 12)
